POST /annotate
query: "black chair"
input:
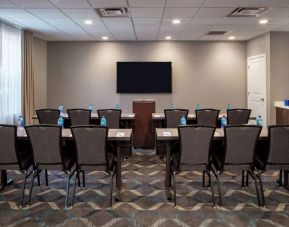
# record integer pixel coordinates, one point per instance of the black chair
(207, 117)
(238, 116)
(195, 149)
(79, 116)
(91, 146)
(173, 117)
(240, 146)
(10, 158)
(48, 116)
(46, 145)
(112, 117)
(278, 158)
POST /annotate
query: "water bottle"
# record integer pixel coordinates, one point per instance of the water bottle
(172, 106)
(90, 107)
(117, 107)
(61, 108)
(198, 107)
(20, 122)
(183, 120)
(60, 122)
(223, 121)
(103, 121)
(229, 107)
(259, 121)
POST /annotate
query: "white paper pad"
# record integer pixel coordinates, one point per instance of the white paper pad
(130, 115)
(217, 134)
(157, 115)
(167, 133)
(120, 134)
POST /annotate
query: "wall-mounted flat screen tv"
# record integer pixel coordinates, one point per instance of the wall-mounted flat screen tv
(144, 77)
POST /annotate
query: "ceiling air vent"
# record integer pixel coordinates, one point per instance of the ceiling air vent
(247, 12)
(217, 32)
(113, 12)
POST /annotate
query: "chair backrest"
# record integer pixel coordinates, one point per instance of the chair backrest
(112, 117)
(91, 142)
(195, 144)
(45, 141)
(238, 116)
(8, 135)
(240, 144)
(207, 117)
(279, 144)
(48, 116)
(173, 117)
(79, 116)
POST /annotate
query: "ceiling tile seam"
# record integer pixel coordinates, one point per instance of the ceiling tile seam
(102, 22)
(71, 19)
(43, 21)
(161, 20)
(127, 2)
(189, 22)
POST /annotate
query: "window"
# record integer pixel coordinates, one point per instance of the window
(10, 73)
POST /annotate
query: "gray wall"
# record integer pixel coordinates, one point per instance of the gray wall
(210, 73)
(257, 46)
(279, 68)
(40, 72)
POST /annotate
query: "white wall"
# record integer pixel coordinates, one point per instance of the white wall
(40, 72)
(210, 73)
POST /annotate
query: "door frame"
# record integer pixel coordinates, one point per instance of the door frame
(266, 92)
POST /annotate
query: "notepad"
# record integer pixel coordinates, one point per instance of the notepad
(167, 133)
(130, 115)
(217, 134)
(120, 134)
(157, 115)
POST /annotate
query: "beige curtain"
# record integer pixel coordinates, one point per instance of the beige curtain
(28, 78)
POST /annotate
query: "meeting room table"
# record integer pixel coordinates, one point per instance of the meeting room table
(118, 136)
(170, 136)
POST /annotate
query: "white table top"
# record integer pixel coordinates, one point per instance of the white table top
(281, 104)
(172, 133)
(95, 115)
(160, 116)
(113, 134)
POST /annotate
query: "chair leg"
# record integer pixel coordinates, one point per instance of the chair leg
(111, 188)
(38, 179)
(46, 178)
(204, 179)
(280, 178)
(211, 183)
(76, 176)
(78, 180)
(83, 179)
(175, 188)
(35, 172)
(219, 188)
(67, 189)
(257, 189)
(261, 189)
(24, 186)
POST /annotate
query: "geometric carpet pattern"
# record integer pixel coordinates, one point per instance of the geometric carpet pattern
(144, 201)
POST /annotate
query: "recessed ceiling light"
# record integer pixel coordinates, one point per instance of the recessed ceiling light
(176, 21)
(263, 21)
(104, 38)
(231, 37)
(168, 37)
(88, 21)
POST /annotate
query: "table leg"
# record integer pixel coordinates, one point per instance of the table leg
(4, 181)
(118, 173)
(168, 171)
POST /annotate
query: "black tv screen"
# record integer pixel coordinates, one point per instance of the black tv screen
(144, 77)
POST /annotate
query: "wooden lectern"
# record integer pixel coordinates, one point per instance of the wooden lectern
(143, 133)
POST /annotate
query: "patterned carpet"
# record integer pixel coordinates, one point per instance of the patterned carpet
(143, 200)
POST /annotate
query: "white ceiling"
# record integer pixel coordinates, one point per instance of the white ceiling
(150, 19)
